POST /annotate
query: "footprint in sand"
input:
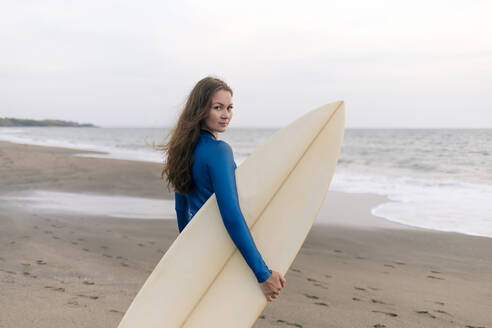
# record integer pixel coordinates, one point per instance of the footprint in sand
(434, 277)
(379, 325)
(355, 299)
(469, 326)
(107, 255)
(289, 323)
(321, 303)
(115, 311)
(432, 271)
(124, 264)
(87, 282)
(262, 316)
(389, 265)
(40, 262)
(56, 289)
(391, 314)
(141, 245)
(399, 263)
(75, 243)
(359, 288)
(320, 286)
(94, 297)
(374, 288)
(74, 303)
(296, 270)
(312, 296)
(80, 239)
(440, 303)
(443, 312)
(104, 247)
(360, 257)
(377, 301)
(311, 279)
(85, 249)
(426, 313)
(337, 251)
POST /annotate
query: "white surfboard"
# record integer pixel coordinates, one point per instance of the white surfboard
(203, 280)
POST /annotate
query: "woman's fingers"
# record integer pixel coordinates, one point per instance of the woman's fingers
(272, 288)
(272, 296)
(282, 281)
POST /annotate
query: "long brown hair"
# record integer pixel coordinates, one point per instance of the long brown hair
(185, 135)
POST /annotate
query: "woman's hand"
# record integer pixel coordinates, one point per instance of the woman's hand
(272, 286)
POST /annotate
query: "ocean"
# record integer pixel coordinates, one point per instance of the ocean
(438, 179)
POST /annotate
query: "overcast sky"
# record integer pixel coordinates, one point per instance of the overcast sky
(414, 64)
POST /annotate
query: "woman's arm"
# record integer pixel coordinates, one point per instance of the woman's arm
(222, 173)
(181, 207)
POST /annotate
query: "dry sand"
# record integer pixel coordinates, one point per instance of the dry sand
(354, 270)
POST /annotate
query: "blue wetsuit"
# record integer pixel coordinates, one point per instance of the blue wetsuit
(213, 172)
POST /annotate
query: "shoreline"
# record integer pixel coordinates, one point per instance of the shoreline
(354, 269)
(376, 199)
(373, 199)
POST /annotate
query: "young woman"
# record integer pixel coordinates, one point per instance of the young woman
(199, 164)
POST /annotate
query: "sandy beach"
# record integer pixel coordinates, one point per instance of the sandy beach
(354, 269)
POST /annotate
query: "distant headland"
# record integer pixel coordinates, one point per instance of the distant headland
(6, 121)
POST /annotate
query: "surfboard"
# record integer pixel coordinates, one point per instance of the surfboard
(203, 280)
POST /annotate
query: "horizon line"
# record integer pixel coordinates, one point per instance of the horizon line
(279, 127)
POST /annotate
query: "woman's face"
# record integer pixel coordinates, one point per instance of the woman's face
(220, 112)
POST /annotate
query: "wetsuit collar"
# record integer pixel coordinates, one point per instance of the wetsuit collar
(205, 132)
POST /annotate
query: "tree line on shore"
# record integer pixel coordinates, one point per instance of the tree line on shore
(7, 121)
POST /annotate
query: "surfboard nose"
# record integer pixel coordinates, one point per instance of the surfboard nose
(272, 166)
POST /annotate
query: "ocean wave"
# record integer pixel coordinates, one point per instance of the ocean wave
(445, 205)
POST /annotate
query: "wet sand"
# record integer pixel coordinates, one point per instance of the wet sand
(354, 270)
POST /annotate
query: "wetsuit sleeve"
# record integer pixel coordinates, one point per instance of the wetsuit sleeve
(181, 207)
(222, 173)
